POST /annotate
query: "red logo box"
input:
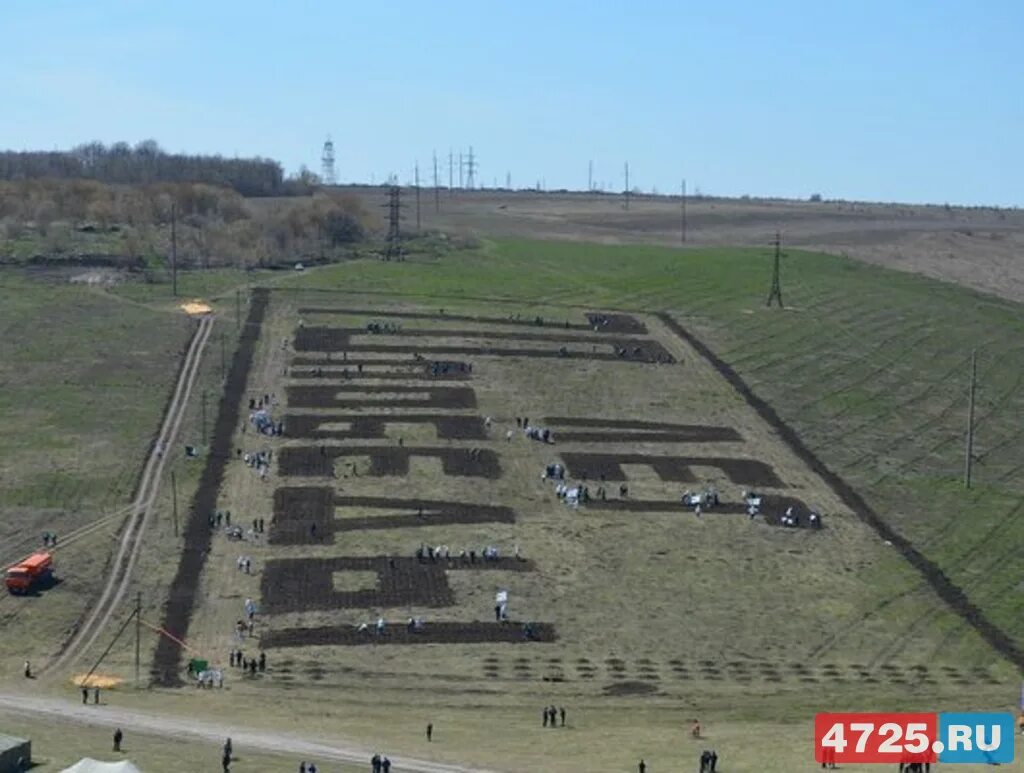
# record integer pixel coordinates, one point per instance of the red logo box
(875, 737)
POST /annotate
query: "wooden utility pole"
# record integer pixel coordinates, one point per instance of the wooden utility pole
(627, 185)
(437, 191)
(969, 450)
(138, 634)
(775, 294)
(174, 249)
(683, 223)
(417, 197)
(174, 502)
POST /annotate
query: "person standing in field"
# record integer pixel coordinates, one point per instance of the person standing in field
(118, 737)
(430, 731)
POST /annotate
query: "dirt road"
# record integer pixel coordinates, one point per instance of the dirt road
(149, 485)
(182, 729)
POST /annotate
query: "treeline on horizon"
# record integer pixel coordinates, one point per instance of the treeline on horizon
(130, 225)
(147, 163)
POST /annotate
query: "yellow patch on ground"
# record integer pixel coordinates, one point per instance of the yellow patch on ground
(196, 308)
(103, 681)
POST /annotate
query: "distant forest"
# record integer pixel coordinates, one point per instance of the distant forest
(147, 162)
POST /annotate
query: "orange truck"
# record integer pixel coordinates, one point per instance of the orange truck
(37, 569)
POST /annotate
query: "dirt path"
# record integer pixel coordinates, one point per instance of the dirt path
(181, 728)
(131, 539)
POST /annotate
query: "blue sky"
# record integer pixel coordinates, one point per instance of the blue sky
(898, 100)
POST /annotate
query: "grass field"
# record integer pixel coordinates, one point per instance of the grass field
(705, 634)
(57, 746)
(869, 366)
(977, 247)
(85, 378)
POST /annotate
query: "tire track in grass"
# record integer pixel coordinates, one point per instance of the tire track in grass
(867, 375)
(793, 362)
(900, 644)
(792, 339)
(864, 617)
(944, 588)
(918, 430)
(942, 532)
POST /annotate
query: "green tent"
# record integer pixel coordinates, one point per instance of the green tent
(198, 665)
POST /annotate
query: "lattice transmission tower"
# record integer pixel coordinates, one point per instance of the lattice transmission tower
(394, 205)
(471, 167)
(327, 163)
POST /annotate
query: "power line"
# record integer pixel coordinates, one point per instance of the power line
(969, 449)
(417, 196)
(437, 193)
(683, 217)
(174, 502)
(451, 173)
(471, 166)
(627, 185)
(174, 249)
(138, 635)
(775, 294)
(394, 205)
